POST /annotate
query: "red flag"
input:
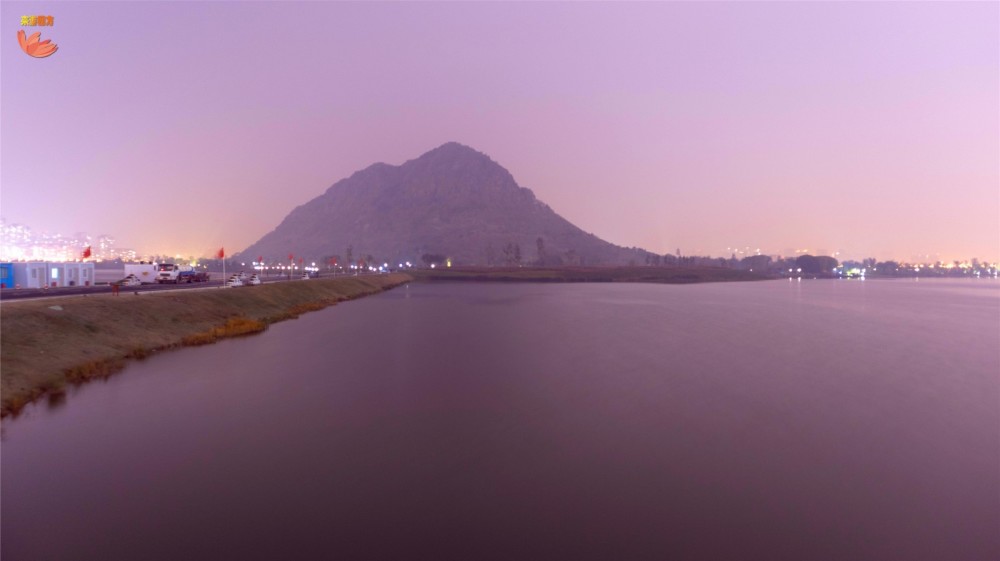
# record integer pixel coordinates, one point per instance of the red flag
(260, 259)
(291, 257)
(333, 261)
(300, 260)
(86, 252)
(221, 254)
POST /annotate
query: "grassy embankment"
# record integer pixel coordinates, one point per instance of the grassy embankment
(669, 275)
(51, 342)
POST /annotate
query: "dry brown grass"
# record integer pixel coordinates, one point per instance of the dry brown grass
(44, 349)
(234, 327)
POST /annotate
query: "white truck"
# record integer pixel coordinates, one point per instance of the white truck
(177, 274)
(145, 271)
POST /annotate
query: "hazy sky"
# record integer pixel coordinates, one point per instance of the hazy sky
(868, 128)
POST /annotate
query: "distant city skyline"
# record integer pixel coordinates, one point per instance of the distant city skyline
(19, 242)
(869, 129)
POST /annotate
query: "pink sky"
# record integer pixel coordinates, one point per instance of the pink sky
(872, 129)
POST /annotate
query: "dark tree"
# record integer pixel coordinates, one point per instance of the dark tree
(886, 268)
(826, 264)
(816, 264)
(807, 263)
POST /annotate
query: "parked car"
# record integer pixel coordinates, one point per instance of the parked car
(234, 281)
(253, 280)
(130, 280)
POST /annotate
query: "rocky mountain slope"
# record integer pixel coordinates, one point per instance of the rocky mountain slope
(450, 203)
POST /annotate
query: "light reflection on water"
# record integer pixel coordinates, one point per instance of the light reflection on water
(804, 420)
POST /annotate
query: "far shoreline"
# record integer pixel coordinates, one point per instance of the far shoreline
(658, 275)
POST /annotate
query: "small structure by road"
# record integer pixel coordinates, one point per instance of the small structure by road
(46, 274)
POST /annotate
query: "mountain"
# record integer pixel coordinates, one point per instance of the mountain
(453, 202)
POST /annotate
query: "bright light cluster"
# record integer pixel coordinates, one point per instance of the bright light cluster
(19, 243)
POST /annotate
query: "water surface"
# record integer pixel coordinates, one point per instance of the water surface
(769, 420)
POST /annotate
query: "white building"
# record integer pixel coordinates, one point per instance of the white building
(72, 273)
(39, 274)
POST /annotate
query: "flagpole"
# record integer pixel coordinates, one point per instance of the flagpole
(223, 252)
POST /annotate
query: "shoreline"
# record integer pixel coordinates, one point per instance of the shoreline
(53, 342)
(658, 275)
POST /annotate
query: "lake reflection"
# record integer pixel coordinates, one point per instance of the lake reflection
(771, 420)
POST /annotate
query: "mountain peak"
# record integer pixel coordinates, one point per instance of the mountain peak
(454, 148)
(454, 152)
(452, 200)
(459, 166)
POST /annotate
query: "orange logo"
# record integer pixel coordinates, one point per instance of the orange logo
(33, 47)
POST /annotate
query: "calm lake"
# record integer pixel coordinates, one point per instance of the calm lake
(812, 420)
